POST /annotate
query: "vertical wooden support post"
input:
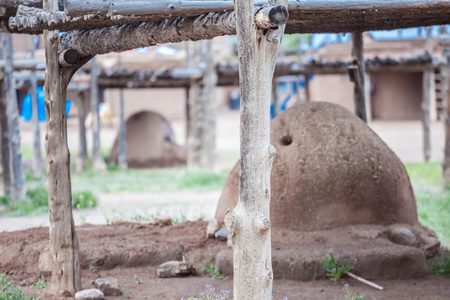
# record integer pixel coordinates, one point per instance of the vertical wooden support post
(209, 86)
(298, 89)
(358, 75)
(18, 191)
(98, 164)
(368, 96)
(37, 161)
(195, 148)
(426, 95)
(5, 124)
(249, 223)
(445, 75)
(307, 89)
(66, 274)
(275, 98)
(82, 152)
(121, 153)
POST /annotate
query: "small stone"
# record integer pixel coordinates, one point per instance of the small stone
(221, 234)
(109, 286)
(213, 226)
(162, 221)
(91, 294)
(175, 269)
(403, 236)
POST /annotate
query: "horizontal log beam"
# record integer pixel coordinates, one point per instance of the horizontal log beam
(25, 64)
(306, 16)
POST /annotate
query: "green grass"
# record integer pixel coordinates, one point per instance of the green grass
(149, 180)
(433, 201)
(442, 266)
(429, 174)
(9, 291)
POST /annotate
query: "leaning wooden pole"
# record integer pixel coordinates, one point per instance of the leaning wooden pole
(249, 223)
(210, 79)
(82, 152)
(121, 153)
(66, 274)
(37, 161)
(358, 75)
(5, 125)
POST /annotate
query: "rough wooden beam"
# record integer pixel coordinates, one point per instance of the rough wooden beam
(37, 161)
(306, 16)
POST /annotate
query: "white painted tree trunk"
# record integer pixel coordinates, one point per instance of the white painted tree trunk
(98, 164)
(249, 223)
(66, 274)
(18, 191)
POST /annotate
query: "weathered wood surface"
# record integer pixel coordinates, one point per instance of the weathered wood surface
(426, 100)
(121, 152)
(64, 248)
(445, 75)
(37, 160)
(18, 175)
(357, 76)
(98, 164)
(5, 125)
(81, 102)
(249, 223)
(308, 16)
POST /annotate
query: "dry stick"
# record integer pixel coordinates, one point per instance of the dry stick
(365, 281)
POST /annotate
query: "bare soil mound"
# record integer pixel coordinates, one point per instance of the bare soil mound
(150, 142)
(124, 250)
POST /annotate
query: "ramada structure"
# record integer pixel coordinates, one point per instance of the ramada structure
(98, 27)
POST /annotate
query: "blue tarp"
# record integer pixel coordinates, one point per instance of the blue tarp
(26, 111)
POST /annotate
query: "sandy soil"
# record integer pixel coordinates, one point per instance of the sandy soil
(130, 252)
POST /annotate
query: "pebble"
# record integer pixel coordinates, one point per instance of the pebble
(162, 221)
(403, 236)
(109, 286)
(174, 269)
(91, 294)
(221, 234)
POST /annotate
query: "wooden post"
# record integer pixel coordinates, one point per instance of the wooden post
(357, 75)
(445, 71)
(18, 191)
(209, 85)
(37, 161)
(275, 98)
(5, 125)
(195, 148)
(121, 154)
(98, 164)
(426, 93)
(249, 223)
(307, 89)
(64, 249)
(82, 152)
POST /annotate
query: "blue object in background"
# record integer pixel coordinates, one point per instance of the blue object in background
(26, 111)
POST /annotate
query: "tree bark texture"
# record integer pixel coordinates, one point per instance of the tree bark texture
(18, 179)
(307, 16)
(249, 223)
(359, 71)
(82, 154)
(122, 154)
(64, 248)
(5, 125)
(209, 86)
(426, 91)
(197, 106)
(37, 161)
(445, 75)
(98, 164)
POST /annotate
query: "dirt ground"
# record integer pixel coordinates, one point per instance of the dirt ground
(124, 250)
